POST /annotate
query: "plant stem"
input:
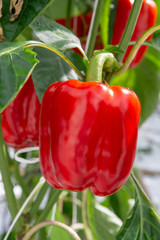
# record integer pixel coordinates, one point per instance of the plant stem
(135, 49)
(38, 200)
(94, 27)
(52, 200)
(84, 216)
(74, 208)
(129, 28)
(25, 204)
(39, 44)
(48, 223)
(6, 178)
(69, 5)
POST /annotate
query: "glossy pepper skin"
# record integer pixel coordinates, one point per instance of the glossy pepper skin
(20, 122)
(147, 19)
(88, 135)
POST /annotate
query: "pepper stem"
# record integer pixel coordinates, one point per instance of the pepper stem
(101, 67)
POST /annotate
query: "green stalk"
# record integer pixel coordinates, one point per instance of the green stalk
(129, 28)
(136, 47)
(69, 7)
(84, 216)
(6, 178)
(94, 27)
(54, 197)
(26, 204)
(38, 200)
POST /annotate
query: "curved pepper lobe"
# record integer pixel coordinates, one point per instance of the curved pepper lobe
(20, 122)
(91, 135)
(119, 145)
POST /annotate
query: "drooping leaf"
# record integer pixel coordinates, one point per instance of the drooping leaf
(103, 223)
(144, 222)
(16, 64)
(30, 10)
(54, 34)
(52, 68)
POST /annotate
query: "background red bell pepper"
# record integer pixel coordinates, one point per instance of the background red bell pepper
(88, 135)
(20, 122)
(147, 19)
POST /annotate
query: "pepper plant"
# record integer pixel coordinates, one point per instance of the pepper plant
(76, 83)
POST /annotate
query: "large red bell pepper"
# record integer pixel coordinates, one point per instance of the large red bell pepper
(147, 19)
(88, 135)
(20, 122)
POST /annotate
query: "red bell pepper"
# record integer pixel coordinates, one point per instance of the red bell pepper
(147, 19)
(88, 135)
(20, 122)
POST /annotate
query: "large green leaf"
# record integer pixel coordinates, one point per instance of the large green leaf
(29, 11)
(103, 223)
(52, 68)
(145, 81)
(54, 34)
(144, 222)
(16, 64)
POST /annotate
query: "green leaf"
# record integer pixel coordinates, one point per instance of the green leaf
(155, 43)
(111, 48)
(103, 223)
(16, 64)
(54, 34)
(52, 68)
(29, 11)
(144, 222)
(122, 201)
(144, 81)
